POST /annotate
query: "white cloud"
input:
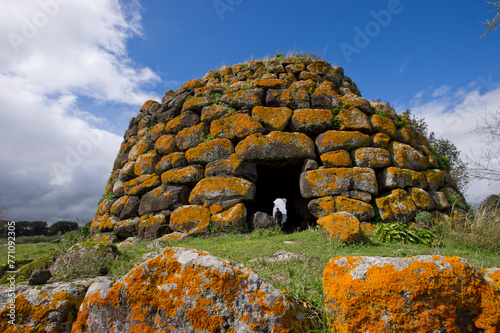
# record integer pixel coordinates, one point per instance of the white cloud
(55, 158)
(454, 115)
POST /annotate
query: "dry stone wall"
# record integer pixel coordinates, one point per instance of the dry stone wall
(200, 156)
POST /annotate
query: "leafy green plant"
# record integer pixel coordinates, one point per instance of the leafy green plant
(336, 118)
(424, 218)
(231, 110)
(217, 98)
(310, 91)
(443, 160)
(403, 233)
(207, 138)
(216, 74)
(278, 55)
(109, 196)
(246, 86)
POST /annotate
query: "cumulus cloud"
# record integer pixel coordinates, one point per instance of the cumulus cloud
(55, 158)
(454, 115)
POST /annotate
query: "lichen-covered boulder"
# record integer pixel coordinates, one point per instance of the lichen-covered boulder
(141, 185)
(336, 159)
(276, 146)
(406, 157)
(235, 216)
(237, 126)
(361, 210)
(48, 308)
(183, 176)
(336, 140)
(217, 189)
(241, 98)
(190, 219)
(233, 166)
(369, 157)
(392, 177)
(354, 120)
(322, 207)
(273, 119)
(413, 294)
(396, 206)
(210, 151)
(492, 275)
(288, 98)
(165, 197)
(312, 121)
(184, 290)
(342, 227)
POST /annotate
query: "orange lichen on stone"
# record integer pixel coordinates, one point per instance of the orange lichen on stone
(241, 98)
(319, 67)
(493, 276)
(336, 140)
(417, 294)
(149, 220)
(343, 227)
(367, 229)
(435, 179)
(187, 175)
(361, 210)
(145, 164)
(303, 84)
(210, 151)
(191, 219)
(186, 290)
(192, 136)
(355, 101)
(384, 125)
(237, 126)
(197, 103)
(273, 119)
(397, 206)
(170, 161)
(322, 207)
(233, 217)
(369, 157)
(143, 145)
(354, 120)
(148, 105)
(166, 144)
(157, 131)
(312, 120)
(141, 184)
(214, 189)
(406, 157)
(380, 140)
(422, 199)
(215, 209)
(336, 159)
(212, 112)
(190, 85)
(272, 83)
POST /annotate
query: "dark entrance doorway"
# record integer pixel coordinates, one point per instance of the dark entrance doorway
(277, 181)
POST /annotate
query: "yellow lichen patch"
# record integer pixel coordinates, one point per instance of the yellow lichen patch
(141, 184)
(157, 131)
(354, 120)
(107, 237)
(384, 125)
(272, 83)
(336, 140)
(367, 229)
(319, 67)
(190, 85)
(166, 144)
(361, 210)
(304, 75)
(422, 199)
(210, 151)
(188, 175)
(306, 85)
(103, 223)
(425, 294)
(214, 189)
(397, 206)
(342, 227)
(173, 160)
(407, 157)
(493, 276)
(380, 140)
(149, 220)
(118, 205)
(145, 164)
(312, 120)
(369, 157)
(435, 179)
(273, 119)
(237, 126)
(191, 219)
(215, 209)
(142, 146)
(212, 112)
(196, 103)
(325, 182)
(233, 217)
(149, 104)
(336, 159)
(408, 136)
(322, 207)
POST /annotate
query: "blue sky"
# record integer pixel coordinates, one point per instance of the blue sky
(72, 74)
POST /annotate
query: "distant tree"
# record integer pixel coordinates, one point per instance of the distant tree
(449, 154)
(31, 228)
(493, 24)
(491, 203)
(62, 227)
(486, 165)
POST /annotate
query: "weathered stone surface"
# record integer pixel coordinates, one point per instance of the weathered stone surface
(244, 98)
(361, 210)
(425, 294)
(190, 219)
(312, 121)
(435, 179)
(210, 151)
(233, 166)
(192, 136)
(336, 140)
(189, 175)
(405, 157)
(143, 145)
(440, 200)
(325, 98)
(393, 177)
(235, 216)
(141, 184)
(396, 206)
(333, 181)
(166, 144)
(354, 120)
(184, 120)
(358, 102)
(384, 125)
(262, 220)
(125, 207)
(492, 275)
(276, 146)
(196, 103)
(368, 157)
(213, 112)
(79, 255)
(380, 140)
(288, 98)
(47, 308)
(39, 277)
(171, 161)
(358, 195)
(145, 164)
(237, 126)
(342, 227)
(215, 189)
(126, 228)
(322, 207)
(166, 197)
(153, 226)
(422, 199)
(193, 292)
(273, 119)
(309, 165)
(336, 159)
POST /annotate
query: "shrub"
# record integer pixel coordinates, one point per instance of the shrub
(403, 233)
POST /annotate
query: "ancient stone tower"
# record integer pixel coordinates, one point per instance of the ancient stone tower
(220, 149)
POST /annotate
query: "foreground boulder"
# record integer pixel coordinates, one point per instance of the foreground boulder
(50, 308)
(184, 291)
(418, 294)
